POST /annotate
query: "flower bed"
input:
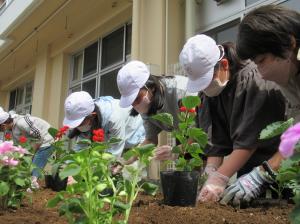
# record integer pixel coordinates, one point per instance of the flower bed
(149, 209)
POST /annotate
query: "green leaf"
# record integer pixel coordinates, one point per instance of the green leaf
(191, 101)
(194, 148)
(275, 129)
(199, 136)
(101, 187)
(182, 126)
(4, 188)
(20, 182)
(150, 188)
(86, 142)
(181, 139)
(107, 156)
(195, 162)
(181, 163)
(176, 149)
(145, 149)
(70, 170)
(165, 118)
(131, 153)
(52, 131)
(114, 140)
(54, 201)
(121, 205)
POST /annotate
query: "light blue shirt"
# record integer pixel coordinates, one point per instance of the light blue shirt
(117, 122)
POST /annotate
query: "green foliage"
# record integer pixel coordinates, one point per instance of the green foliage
(191, 102)
(275, 129)
(97, 196)
(192, 139)
(165, 118)
(14, 179)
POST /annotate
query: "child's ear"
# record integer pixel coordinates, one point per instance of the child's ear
(225, 64)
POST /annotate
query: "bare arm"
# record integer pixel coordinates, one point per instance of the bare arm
(235, 161)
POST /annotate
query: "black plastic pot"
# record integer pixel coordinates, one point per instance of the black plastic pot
(179, 187)
(55, 183)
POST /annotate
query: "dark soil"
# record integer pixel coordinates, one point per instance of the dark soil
(148, 209)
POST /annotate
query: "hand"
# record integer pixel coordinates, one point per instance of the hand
(247, 187)
(164, 152)
(115, 169)
(213, 187)
(209, 168)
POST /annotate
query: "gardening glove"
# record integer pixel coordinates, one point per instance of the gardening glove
(247, 187)
(209, 168)
(164, 152)
(213, 187)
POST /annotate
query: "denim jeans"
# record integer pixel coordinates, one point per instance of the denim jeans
(40, 159)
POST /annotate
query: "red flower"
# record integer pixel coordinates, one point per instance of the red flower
(7, 136)
(22, 139)
(182, 109)
(192, 110)
(98, 135)
(62, 131)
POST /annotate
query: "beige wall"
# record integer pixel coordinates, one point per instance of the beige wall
(157, 38)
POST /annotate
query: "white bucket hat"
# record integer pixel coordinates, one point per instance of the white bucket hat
(3, 115)
(78, 105)
(131, 78)
(198, 57)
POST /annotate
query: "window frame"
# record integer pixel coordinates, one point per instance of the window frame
(100, 72)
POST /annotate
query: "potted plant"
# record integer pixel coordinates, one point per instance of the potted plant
(52, 178)
(180, 186)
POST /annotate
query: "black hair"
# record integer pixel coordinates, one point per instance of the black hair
(154, 85)
(268, 29)
(235, 63)
(96, 123)
(8, 120)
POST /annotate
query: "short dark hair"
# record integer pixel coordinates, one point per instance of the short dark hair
(268, 29)
(235, 63)
(155, 86)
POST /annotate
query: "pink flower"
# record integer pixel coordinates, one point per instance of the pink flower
(20, 150)
(6, 147)
(9, 161)
(289, 139)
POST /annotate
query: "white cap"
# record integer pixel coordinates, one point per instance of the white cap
(198, 57)
(78, 105)
(131, 78)
(3, 115)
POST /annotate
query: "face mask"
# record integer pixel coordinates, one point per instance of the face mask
(84, 128)
(215, 88)
(143, 106)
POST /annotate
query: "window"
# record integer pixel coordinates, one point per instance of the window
(90, 60)
(20, 99)
(292, 4)
(250, 2)
(108, 84)
(95, 68)
(112, 48)
(227, 32)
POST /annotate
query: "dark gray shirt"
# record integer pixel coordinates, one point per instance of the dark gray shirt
(245, 107)
(174, 90)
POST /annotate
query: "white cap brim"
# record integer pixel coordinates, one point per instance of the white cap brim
(72, 123)
(201, 83)
(126, 101)
(3, 117)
